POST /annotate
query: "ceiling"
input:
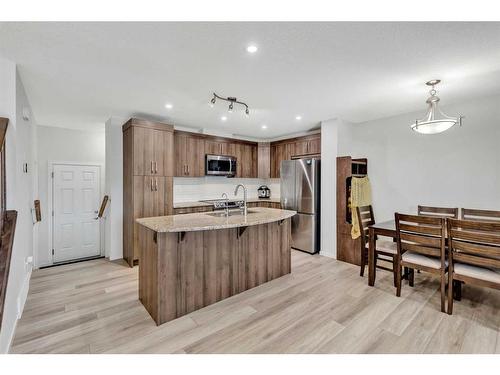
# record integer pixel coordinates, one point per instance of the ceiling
(77, 75)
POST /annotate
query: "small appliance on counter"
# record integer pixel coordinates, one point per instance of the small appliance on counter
(264, 192)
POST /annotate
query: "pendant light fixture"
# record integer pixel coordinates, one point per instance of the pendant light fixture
(231, 101)
(435, 121)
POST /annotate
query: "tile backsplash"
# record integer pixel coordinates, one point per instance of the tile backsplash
(191, 189)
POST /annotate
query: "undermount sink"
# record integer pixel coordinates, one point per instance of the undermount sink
(222, 213)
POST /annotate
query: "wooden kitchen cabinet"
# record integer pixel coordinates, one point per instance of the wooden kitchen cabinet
(314, 145)
(148, 167)
(152, 196)
(150, 149)
(264, 160)
(289, 149)
(191, 210)
(246, 164)
(189, 155)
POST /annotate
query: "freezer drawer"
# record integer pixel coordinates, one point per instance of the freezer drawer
(304, 229)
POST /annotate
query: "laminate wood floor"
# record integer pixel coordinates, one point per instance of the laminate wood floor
(322, 307)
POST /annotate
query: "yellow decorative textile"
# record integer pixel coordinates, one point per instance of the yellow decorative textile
(361, 195)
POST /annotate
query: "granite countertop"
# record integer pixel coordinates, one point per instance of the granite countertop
(204, 221)
(205, 204)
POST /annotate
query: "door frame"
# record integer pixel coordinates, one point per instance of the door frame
(50, 201)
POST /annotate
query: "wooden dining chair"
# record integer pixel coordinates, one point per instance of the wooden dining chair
(384, 249)
(480, 215)
(438, 212)
(421, 246)
(473, 255)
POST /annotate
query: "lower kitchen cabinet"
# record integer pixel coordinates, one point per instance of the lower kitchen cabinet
(191, 210)
(150, 196)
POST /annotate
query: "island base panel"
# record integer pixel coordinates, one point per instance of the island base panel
(183, 272)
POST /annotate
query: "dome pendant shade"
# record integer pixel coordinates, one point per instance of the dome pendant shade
(435, 121)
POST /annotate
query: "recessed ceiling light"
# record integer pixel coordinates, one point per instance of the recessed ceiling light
(264, 126)
(298, 117)
(169, 106)
(252, 48)
(223, 118)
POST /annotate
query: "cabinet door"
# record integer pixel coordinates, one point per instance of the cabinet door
(301, 147)
(180, 145)
(213, 147)
(143, 151)
(264, 160)
(163, 153)
(289, 151)
(195, 157)
(281, 152)
(314, 145)
(228, 148)
(246, 161)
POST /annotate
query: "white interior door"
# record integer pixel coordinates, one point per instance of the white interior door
(75, 203)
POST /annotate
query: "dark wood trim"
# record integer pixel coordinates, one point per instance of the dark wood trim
(104, 203)
(156, 125)
(4, 122)
(215, 138)
(304, 137)
(6, 242)
(38, 211)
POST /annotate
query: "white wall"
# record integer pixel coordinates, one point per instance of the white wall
(190, 189)
(114, 188)
(63, 145)
(457, 168)
(20, 186)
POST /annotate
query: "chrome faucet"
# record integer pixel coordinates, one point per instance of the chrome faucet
(244, 209)
(227, 204)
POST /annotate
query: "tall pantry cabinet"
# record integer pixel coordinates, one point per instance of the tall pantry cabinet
(148, 170)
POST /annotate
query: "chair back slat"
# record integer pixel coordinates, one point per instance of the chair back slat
(438, 211)
(420, 249)
(434, 231)
(474, 242)
(475, 236)
(365, 219)
(476, 260)
(476, 249)
(419, 238)
(420, 234)
(480, 215)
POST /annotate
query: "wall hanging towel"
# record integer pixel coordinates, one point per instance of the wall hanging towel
(361, 195)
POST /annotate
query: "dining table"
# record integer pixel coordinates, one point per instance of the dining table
(386, 229)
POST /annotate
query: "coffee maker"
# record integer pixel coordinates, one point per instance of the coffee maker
(264, 192)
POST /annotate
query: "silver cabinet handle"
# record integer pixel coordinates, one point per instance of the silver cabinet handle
(151, 184)
(152, 170)
(156, 184)
(188, 168)
(156, 167)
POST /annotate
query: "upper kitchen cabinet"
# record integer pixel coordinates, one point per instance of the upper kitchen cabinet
(217, 146)
(189, 155)
(246, 155)
(151, 147)
(264, 160)
(314, 145)
(293, 148)
(307, 146)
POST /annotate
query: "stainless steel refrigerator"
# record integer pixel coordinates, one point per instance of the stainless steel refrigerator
(300, 191)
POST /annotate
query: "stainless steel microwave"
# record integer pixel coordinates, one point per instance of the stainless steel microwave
(220, 165)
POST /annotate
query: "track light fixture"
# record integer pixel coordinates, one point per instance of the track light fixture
(231, 101)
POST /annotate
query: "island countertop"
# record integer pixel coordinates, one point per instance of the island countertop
(201, 221)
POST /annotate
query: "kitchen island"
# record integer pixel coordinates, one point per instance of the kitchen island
(190, 261)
